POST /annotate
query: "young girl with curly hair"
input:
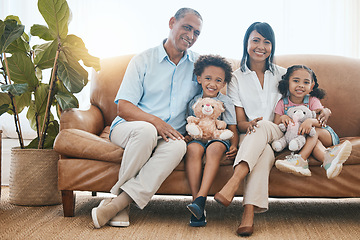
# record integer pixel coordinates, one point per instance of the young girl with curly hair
(299, 86)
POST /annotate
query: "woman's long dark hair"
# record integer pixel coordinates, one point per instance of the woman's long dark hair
(284, 83)
(267, 32)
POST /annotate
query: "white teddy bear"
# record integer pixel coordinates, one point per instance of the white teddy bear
(291, 138)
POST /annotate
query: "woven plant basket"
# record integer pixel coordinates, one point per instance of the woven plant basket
(34, 177)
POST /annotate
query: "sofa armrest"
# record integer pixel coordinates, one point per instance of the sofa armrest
(90, 120)
(76, 143)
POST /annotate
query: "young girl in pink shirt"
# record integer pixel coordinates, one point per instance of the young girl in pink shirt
(299, 86)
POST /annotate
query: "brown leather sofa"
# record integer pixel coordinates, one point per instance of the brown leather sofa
(90, 162)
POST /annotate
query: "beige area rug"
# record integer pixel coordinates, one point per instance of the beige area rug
(166, 217)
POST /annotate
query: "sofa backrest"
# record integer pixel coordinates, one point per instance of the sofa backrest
(338, 76)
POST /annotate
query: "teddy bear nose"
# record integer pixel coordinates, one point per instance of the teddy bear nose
(207, 105)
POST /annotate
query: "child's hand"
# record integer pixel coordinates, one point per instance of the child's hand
(305, 127)
(188, 138)
(252, 125)
(231, 154)
(286, 120)
(324, 115)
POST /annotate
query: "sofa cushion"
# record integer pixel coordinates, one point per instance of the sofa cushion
(80, 144)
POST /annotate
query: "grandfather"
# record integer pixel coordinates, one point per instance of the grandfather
(151, 107)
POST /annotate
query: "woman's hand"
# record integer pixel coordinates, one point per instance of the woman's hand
(324, 115)
(231, 154)
(252, 125)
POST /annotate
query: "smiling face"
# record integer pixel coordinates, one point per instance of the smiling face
(259, 48)
(300, 84)
(212, 81)
(184, 31)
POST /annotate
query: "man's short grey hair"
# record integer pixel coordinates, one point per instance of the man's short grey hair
(183, 11)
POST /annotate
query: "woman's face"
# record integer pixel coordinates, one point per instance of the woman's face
(259, 48)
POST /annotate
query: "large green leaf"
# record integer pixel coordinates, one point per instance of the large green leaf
(66, 56)
(13, 17)
(22, 101)
(41, 94)
(22, 69)
(75, 47)
(11, 32)
(45, 54)
(5, 102)
(15, 89)
(31, 115)
(19, 45)
(4, 108)
(42, 32)
(56, 14)
(22, 43)
(4, 98)
(37, 107)
(52, 132)
(66, 100)
(71, 79)
(2, 28)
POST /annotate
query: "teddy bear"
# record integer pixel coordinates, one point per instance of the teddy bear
(205, 125)
(291, 138)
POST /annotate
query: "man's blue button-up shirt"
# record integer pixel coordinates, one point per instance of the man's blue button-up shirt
(159, 87)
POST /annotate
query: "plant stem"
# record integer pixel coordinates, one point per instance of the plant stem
(16, 115)
(48, 103)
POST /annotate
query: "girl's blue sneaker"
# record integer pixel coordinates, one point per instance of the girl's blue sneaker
(194, 222)
(197, 207)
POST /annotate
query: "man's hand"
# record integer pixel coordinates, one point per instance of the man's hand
(130, 112)
(166, 131)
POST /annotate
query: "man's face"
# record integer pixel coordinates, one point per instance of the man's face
(185, 31)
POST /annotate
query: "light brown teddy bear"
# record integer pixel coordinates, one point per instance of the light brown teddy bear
(206, 126)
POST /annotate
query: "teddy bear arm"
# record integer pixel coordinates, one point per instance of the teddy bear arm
(312, 132)
(220, 124)
(192, 119)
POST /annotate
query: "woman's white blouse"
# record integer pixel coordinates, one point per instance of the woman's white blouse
(245, 91)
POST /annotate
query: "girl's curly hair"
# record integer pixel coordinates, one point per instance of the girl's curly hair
(213, 60)
(284, 83)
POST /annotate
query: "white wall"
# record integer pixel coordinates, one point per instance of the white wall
(116, 27)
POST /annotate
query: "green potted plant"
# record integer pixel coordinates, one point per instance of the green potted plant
(23, 86)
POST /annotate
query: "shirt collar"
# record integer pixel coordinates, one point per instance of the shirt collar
(217, 97)
(163, 55)
(248, 71)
